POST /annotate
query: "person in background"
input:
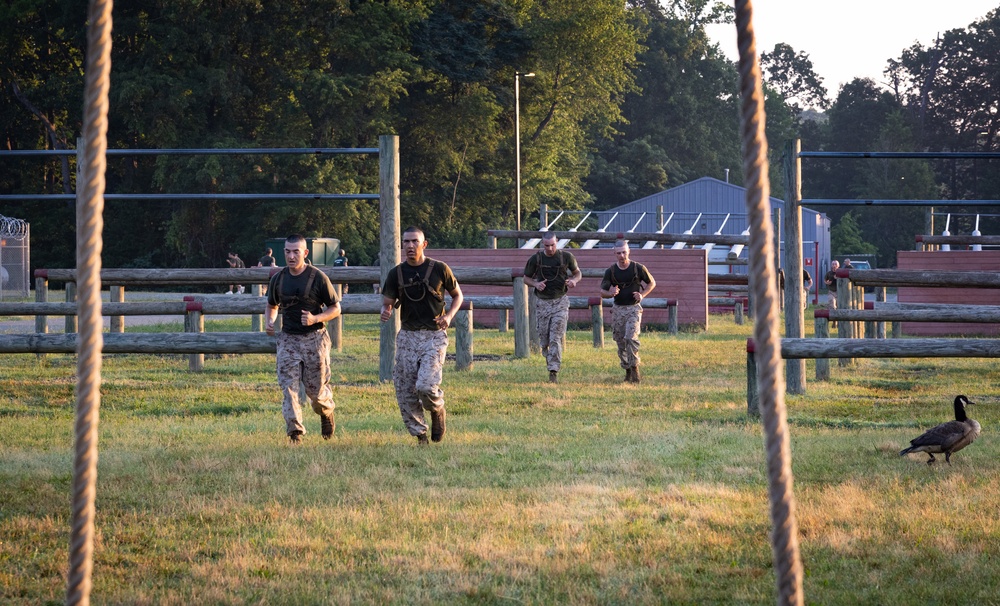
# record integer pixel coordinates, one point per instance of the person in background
(306, 299)
(551, 272)
(417, 286)
(807, 284)
(341, 261)
(268, 259)
(629, 283)
(235, 261)
(830, 279)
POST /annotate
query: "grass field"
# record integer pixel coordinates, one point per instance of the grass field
(587, 492)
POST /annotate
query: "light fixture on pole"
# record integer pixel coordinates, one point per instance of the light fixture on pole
(517, 141)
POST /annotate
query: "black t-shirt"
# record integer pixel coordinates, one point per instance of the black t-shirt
(421, 302)
(267, 261)
(293, 300)
(628, 281)
(555, 270)
(832, 277)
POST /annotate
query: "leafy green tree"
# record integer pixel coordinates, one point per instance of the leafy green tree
(792, 76)
(846, 237)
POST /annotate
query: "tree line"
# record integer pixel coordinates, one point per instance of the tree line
(627, 99)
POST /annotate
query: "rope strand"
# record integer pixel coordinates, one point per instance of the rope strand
(770, 381)
(90, 223)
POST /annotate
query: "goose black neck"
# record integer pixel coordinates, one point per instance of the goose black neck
(960, 410)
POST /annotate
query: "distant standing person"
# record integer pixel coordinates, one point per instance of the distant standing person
(807, 284)
(268, 259)
(551, 272)
(341, 261)
(306, 299)
(417, 286)
(830, 279)
(629, 283)
(235, 261)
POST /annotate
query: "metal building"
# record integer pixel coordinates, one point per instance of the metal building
(709, 206)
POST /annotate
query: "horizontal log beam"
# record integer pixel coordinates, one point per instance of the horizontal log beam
(889, 348)
(987, 316)
(261, 275)
(903, 277)
(147, 343)
(582, 236)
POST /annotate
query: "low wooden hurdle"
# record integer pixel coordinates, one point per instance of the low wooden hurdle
(193, 308)
(868, 348)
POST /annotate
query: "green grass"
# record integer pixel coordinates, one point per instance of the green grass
(591, 491)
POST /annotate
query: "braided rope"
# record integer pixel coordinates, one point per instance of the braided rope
(770, 381)
(89, 224)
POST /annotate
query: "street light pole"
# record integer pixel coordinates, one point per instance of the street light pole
(517, 140)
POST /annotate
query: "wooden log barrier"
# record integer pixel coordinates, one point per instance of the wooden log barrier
(904, 277)
(597, 320)
(521, 333)
(463, 337)
(869, 348)
(360, 274)
(145, 343)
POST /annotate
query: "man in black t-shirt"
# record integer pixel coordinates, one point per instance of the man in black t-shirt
(235, 262)
(551, 272)
(629, 283)
(417, 286)
(306, 299)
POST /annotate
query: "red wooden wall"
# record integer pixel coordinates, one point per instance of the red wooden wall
(955, 261)
(679, 274)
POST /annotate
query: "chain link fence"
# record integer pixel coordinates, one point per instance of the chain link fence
(15, 258)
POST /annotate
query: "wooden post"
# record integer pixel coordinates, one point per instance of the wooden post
(41, 296)
(117, 295)
(70, 298)
(753, 398)
(521, 347)
(845, 329)
(491, 242)
(463, 337)
(256, 320)
(821, 325)
(738, 312)
(897, 330)
(194, 321)
(388, 176)
(597, 320)
(335, 327)
(795, 370)
(534, 343)
(880, 326)
(672, 317)
(503, 319)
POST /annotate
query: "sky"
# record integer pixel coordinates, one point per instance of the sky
(847, 39)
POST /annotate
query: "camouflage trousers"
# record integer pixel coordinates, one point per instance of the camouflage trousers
(551, 317)
(626, 321)
(304, 359)
(417, 375)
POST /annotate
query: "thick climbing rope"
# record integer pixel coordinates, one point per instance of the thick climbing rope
(767, 338)
(90, 342)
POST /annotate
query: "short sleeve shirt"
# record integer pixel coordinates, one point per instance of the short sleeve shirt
(628, 281)
(555, 270)
(293, 300)
(421, 293)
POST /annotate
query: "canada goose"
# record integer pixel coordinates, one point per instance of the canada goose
(947, 437)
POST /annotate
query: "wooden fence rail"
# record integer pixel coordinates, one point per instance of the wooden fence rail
(869, 348)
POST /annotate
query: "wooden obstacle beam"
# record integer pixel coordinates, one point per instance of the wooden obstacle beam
(902, 277)
(869, 348)
(497, 276)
